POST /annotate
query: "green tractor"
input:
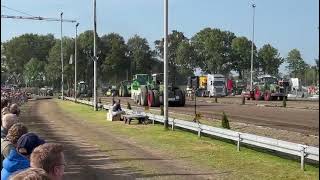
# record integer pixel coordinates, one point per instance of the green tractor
(268, 88)
(148, 90)
(125, 89)
(83, 90)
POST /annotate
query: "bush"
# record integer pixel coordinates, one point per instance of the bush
(225, 121)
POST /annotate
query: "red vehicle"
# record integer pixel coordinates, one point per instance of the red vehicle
(229, 87)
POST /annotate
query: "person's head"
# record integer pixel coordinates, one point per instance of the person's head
(15, 132)
(50, 157)
(8, 120)
(30, 174)
(27, 143)
(14, 109)
(4, 103)
(4, 111)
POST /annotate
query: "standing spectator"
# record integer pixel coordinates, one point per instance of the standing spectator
(7, 121)
(49, 157)
(18, 158)
(31, 174)
(10, 142)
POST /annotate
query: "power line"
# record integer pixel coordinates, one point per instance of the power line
(16, 10)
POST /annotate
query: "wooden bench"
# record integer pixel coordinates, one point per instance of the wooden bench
(141, 118)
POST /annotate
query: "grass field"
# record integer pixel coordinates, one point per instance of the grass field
(207, 152)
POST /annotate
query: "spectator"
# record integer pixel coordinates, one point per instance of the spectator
(4, 103)
(7, 121)
(10, 142)
(5, 111)
(14, 109)
(116, 109)
(30, 174)
(18, 158)
(49, 157)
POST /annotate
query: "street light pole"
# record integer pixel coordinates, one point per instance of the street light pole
(253, 7)
(95, 57)
(165, 46)
(75, 64)
(61, 57)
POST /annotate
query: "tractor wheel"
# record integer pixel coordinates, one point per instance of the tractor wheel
(161, 100)
(267, 96)
(183, 99)
(257, 94)
(144, 94)
(156, 98)
(120, 91)
(150, 98)
(125, 92)
(178, 93)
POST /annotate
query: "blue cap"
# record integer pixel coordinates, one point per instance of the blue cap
(28, 142)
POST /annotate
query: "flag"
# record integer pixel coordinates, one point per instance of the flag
(71, 59)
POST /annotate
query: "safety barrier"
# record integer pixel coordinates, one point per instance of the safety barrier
(300, 150)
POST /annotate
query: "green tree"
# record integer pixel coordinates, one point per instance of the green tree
(53, 68)
(241, 55)
(116, 64)
(174, 40)
(296, 65)
(186, 61)
(34, 73)
(213, 49)
(140, 55)
(269, 59)
(19, 50)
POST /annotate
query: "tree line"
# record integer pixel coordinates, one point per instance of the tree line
(34, 60)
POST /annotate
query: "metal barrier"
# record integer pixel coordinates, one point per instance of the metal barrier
(303, 151)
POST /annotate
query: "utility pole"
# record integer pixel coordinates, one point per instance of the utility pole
(165, 56)
(95, 57)
(75, 64)
(61, 57)
(253, 7)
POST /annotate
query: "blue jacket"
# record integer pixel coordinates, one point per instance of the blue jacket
(14, 162)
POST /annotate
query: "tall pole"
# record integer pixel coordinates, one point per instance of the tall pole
(251, 71)
(75, 64)
(61, 57)
(165, 64)
(95, 57)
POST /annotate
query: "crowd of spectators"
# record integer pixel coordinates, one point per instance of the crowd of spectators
(25, 155)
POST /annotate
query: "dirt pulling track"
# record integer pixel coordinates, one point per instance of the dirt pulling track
(297, 117)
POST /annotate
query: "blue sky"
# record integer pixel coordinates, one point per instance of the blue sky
(285, 24)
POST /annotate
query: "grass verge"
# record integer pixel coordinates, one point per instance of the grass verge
(207, 152)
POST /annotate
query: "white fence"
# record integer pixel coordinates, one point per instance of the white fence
(303, 151)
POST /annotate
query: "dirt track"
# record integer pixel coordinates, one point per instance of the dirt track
(294, 119)
(87, 161)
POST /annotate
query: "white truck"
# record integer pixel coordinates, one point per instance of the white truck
(216, 85)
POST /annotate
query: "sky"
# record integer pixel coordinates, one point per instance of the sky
(285, 24)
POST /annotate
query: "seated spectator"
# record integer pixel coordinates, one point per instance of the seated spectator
(50, 157)
(14, 109)
(116, 109)
(10, 142)
(18, 158)
(7, 121)
(30, 174)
